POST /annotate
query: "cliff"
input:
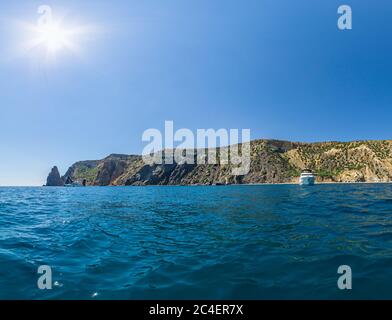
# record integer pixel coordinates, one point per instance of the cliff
(272, 161)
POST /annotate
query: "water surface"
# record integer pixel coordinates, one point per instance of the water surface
(229, 242)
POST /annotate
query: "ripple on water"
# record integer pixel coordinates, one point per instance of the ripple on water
(196, 242)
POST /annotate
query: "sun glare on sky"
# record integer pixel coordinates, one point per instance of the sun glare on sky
(50, 36)
(53, 36)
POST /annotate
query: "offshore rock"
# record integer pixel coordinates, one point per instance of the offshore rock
(54, 179)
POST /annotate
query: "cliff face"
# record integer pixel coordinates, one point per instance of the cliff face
(108, 171)
(272, 161)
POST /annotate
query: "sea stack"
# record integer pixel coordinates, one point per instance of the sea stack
(54, 179)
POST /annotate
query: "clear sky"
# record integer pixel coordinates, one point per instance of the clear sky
(280, 68)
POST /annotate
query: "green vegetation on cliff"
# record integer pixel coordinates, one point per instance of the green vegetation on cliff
(272, 161)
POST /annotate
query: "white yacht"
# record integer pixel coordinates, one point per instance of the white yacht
(307, 178)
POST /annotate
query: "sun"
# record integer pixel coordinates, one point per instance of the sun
(50, 37)
(53, 36)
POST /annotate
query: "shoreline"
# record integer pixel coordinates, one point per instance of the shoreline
(206, 185)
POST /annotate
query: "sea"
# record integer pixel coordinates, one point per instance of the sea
(196, 242)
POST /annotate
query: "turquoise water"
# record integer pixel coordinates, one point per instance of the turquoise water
(229, 242)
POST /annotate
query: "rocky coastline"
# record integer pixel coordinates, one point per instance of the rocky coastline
(272, 162)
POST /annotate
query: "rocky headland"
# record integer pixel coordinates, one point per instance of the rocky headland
(272, 161)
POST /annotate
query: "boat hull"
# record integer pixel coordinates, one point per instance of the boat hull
(306, 181)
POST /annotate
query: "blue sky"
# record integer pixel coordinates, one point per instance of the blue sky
(280, 68)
